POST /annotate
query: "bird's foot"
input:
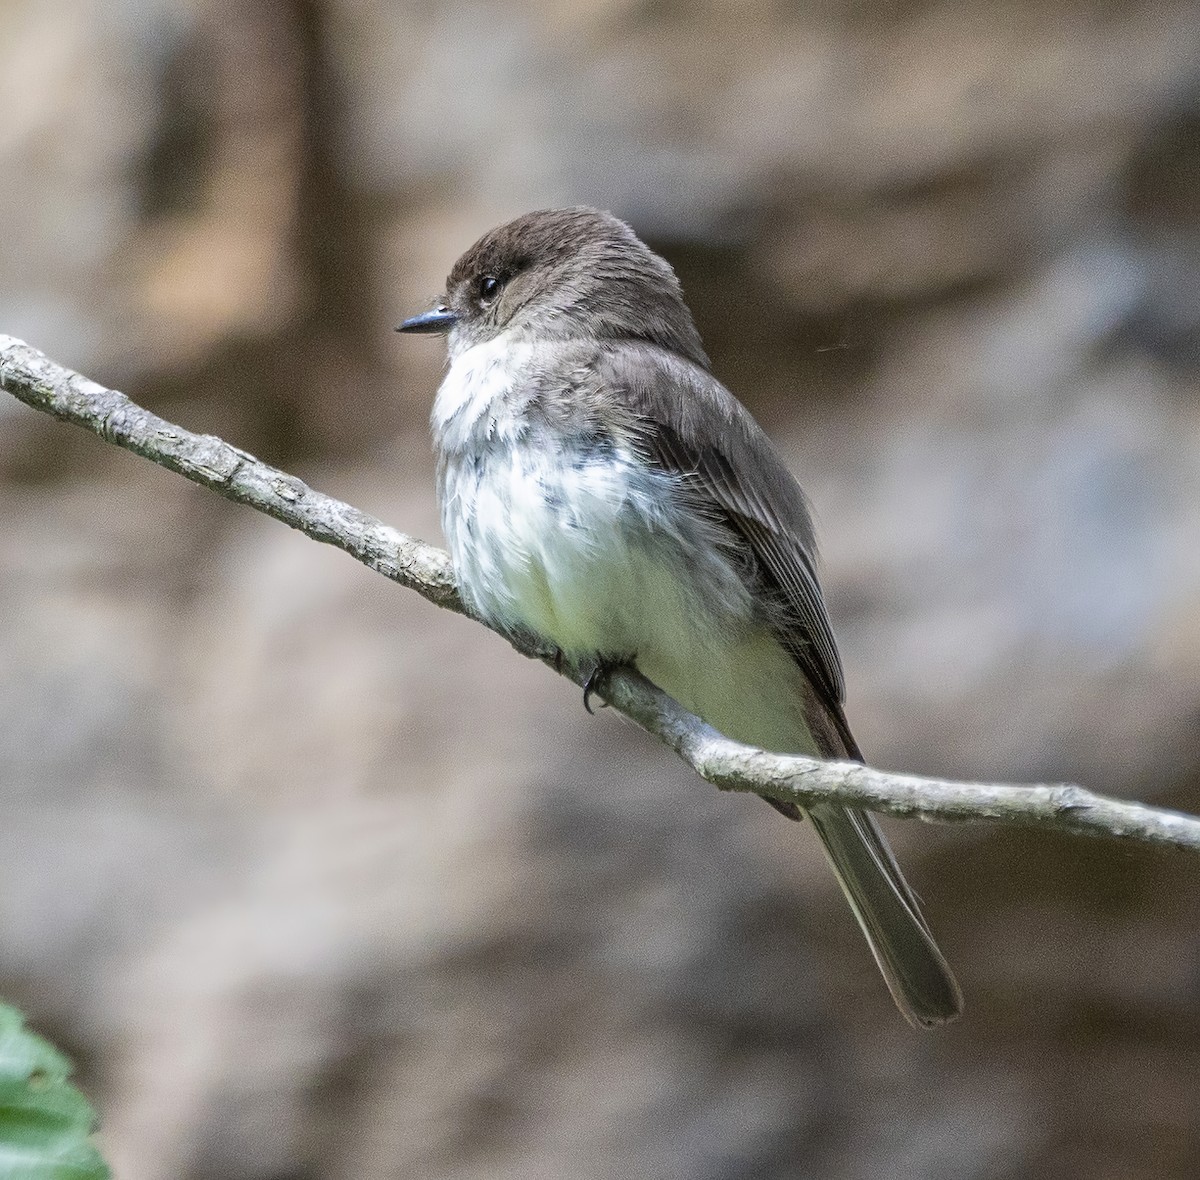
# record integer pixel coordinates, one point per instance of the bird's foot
(596, 678)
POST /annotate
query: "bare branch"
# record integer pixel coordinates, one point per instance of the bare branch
(38, 381)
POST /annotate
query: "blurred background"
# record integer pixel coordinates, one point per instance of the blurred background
(315, 881)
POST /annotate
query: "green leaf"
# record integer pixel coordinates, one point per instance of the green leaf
(45, 1123)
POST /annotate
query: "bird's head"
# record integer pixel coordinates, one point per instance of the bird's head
(562, 273)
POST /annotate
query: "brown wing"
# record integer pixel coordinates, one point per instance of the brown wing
(688, 422)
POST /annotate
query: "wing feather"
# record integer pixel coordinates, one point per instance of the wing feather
(688, 422)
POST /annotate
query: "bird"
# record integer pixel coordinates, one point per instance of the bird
(602, 493)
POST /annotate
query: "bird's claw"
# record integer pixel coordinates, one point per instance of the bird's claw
(590, 685)
(595, 681)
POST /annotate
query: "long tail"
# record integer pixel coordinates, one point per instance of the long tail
(917, 975)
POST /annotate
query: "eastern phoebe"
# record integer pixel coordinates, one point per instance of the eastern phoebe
(601, 490)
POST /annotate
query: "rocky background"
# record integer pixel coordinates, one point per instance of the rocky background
(317, 882)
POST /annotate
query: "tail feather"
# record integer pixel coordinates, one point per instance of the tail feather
(917, 975)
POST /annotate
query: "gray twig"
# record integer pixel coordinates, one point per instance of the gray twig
(38, 381)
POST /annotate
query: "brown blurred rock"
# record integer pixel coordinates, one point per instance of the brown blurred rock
(316, 881)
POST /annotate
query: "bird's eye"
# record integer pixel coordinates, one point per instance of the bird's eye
(489, 288)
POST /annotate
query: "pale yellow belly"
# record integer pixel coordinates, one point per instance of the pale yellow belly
(744, 685)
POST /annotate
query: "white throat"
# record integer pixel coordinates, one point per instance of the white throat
(479, 385)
